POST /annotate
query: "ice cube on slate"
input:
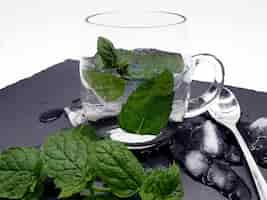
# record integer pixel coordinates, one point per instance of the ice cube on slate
(222, 176)
(259, 126)
(257, 135)
(208, 139)
(225, 180)
(211, 139)
(196, 163)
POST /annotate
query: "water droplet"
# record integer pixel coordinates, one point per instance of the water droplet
(51, 115)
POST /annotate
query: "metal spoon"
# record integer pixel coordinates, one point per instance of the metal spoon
(226, 110)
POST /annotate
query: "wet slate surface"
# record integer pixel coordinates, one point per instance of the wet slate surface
(22, 103)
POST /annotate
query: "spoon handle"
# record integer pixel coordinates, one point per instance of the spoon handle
(258, 178)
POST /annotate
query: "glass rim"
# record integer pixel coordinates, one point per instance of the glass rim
(180, 19)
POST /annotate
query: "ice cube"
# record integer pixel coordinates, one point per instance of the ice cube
(257, 139)
(259, 126)
(226, 181)
(196, 163)
(208, 139)
(212, 142)
(222, 177)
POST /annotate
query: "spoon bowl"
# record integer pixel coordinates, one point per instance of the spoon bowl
(226, 107)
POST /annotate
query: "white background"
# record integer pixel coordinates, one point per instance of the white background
(35, 34)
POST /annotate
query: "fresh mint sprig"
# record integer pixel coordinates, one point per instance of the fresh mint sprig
(75, 159)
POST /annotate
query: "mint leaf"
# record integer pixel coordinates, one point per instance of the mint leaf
(147, 63)
(67, 158)
(19, 171)
(98, 62)
(107, 52)
(33, 196)
(118, 168)
(162, 184)
(148, 108)
(87, 131)
(36, 194)
(106, 85)
(124, 55)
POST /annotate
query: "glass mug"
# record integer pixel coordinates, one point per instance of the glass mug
(156, 32)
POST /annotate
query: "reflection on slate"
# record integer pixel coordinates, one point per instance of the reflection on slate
(22, 103)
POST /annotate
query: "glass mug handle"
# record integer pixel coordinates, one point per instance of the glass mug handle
(199, 105)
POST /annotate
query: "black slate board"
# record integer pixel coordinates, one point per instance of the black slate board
(22, 103)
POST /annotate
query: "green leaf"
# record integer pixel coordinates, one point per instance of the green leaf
(67, 158)
(98, 62)
(148, 108)
(107, 52)
(32, 196)
(118, 168)
(147, 63)
(87, 131)
(125, 57)
(19, 171)
(36, 194)
(162, 184)
(106, 85)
